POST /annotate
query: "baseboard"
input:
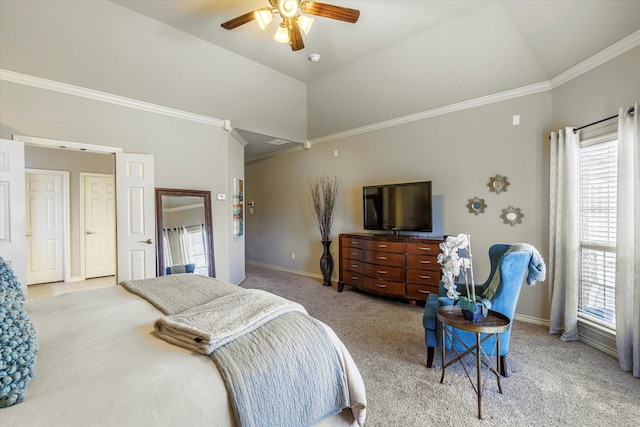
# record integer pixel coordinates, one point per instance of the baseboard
(75, 279)
(597, 337)
(289, 270)
(530, 319)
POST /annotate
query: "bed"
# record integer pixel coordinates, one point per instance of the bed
(101, 363)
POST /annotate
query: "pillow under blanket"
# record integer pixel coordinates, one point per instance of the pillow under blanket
(18, 343)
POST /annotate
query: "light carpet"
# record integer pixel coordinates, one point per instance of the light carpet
(551, 383)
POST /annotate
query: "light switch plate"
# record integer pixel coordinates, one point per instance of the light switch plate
(221, 196)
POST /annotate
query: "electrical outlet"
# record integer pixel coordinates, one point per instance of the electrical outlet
(293, 255)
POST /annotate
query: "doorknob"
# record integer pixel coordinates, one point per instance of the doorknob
(91, 232)
(148, 241)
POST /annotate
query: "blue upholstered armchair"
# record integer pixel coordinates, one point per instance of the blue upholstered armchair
(512, 268)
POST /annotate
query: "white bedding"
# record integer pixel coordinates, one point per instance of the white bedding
(99, 365)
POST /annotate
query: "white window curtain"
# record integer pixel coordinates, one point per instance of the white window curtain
(564, 240)
(628, 242)
(183, 238)
(168, 257)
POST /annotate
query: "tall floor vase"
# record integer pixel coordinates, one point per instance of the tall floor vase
(326, 263)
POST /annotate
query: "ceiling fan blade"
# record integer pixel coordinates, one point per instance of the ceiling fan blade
(329, 11)
(240, 20)
(295, 36)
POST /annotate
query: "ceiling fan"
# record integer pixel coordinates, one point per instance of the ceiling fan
(294, 20)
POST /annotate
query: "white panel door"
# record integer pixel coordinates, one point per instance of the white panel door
(45, 227)
(13, 240)
(99, 225)
(135, 216)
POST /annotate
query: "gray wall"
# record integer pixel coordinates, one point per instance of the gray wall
(102, 46)
(459, 152)
(106, 47)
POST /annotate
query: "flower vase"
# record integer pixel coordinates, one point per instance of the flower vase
(474, 317)
(326, 264)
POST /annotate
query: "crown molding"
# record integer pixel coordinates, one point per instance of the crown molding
(451, 108)
(605, 55)
(69, 89)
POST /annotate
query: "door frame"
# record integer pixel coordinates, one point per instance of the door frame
(128, 172)
(81, 177)
(66, 221)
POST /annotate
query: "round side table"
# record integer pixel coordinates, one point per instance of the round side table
(451, 318)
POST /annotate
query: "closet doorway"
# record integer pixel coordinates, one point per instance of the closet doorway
(98, 207)
(46, 212)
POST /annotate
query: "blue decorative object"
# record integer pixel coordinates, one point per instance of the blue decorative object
(7, 279)
(18, 343)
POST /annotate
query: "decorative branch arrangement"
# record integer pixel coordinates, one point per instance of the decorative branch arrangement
(324, 193)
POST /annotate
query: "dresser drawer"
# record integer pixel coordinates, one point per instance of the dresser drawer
(423, 248)
(383, 287)
(423, 277)
(351, 253)
(384, 272)
(351, 242)
(351, 278)
(420, 292)
(383, 246)
(351, 265)
(384, 258)
(425, 262)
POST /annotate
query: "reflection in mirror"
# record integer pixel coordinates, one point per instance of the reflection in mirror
(184, 232)
(476, 206)
(498, 184)
(511, 216)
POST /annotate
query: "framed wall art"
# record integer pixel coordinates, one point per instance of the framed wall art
(238, 207)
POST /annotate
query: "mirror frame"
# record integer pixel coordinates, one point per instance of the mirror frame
(208, 224)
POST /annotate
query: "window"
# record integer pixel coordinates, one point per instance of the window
(598, 207)
(197, 254)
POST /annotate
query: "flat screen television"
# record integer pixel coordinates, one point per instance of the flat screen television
(398, 207)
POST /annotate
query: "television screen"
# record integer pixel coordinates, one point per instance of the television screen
(398, 207)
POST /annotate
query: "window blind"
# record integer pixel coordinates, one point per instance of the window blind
(597, 223)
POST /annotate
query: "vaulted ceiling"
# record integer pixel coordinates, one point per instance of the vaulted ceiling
(405, 57)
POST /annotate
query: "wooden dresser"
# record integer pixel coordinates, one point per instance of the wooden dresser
(394, 266)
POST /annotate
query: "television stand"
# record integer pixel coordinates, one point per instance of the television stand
(401, 267)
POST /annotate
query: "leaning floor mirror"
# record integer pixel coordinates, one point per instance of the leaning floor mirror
(184, 232)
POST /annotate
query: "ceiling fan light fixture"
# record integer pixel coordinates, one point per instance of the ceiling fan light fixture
(304, 22)
(282, 34)
(263, 17)
(288, 8)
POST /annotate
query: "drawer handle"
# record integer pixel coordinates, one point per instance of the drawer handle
(382, 246)
(424, 261)
(355, 242)
(354, 265)
(425, 249)
(354, 277)
(422, 291)
(380, 285)
(354, 253)
(381, 272)
(422, 276)
(382, 257)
